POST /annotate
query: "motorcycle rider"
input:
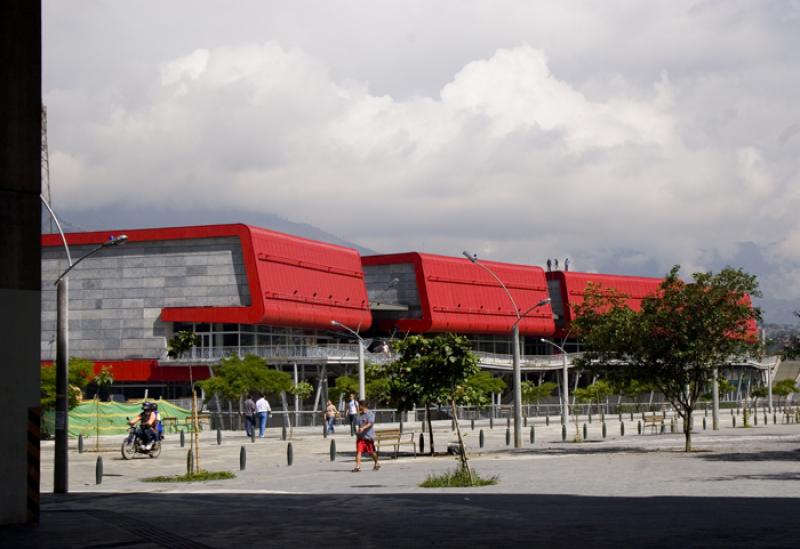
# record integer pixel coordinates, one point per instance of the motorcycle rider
(147, 423)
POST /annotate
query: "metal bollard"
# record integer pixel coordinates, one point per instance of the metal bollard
(289, 454)
(705, 426)
(563, 433)
(620, 417)
(672, 425)
(491, 422)
(706, 410)
(189, 463)
(533, 434)
(472, 424)
(422, 443)
(731, 412)
(733, 421)
(508, 436)
(621, 428)
(452, 425)
(401, 424)
(585, 432)
(98, 471)
(639, 427)
(253, 435)
(283, 432)
(590, 416)
(219, 437)
(481, 439)
(242, 459)
(766, 419)
(508, 423)
(80, 443)
(325, 430)
(631, 416)
(525, 421)
(333, 450)
(183, 438)
(604, 429)
(663, 428)
(774, 418)
(547, 420)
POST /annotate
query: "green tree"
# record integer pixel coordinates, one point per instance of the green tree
(181, 343)
(104, 379)
(784, 388)
(483, 384)
(377, 384)
(302, 390)
(80, 373)
(235, 377)
(535, 393)
(677, 339)
(435, 370)
(595, 393)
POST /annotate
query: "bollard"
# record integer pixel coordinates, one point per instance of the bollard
(663, 428)
(508, 436)
(183, 438)
(242, 459)
(525, 421)
(491, 422)
(620, 417)
(774, 418)
(731, 412)
(98, 471)
(289, 454)
(706, 412)
(737, 411)
(585, 432)
(423, 425)
(481, 440)
(472, 424)
(283, 432)
(604, 429)
(219, 437)
(672, 425)
(325, 430)
(563, 433)
(533, 435)
(590, 416)
(508, 423)
(80, 443)
(253, 435)
(333, 450)
(189, 463)
(733, 421)
(639, 427)
(547, 420)
(452, 425)
(602, 417)
(621, 429)
(631, 417)
(755, 419)
(422, 443)
(766, 419)
(704, 423)
(401, 424)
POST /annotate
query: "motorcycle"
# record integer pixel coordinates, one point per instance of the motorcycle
(134, 444)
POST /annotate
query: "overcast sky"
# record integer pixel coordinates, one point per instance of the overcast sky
(628, 136)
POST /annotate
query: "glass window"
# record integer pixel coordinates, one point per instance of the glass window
(230, 340)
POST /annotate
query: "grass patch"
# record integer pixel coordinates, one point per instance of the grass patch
(195, 477)
(457, 478)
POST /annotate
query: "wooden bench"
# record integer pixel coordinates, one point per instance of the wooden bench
(654, 422)
(201, 418)
(393, 437)
(170, 424)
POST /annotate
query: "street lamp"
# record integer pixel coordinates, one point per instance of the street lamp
(61, 466)
(362, 393)
(565, 383)
(515, 343)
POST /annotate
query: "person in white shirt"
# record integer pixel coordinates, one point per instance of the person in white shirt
(262, 410)
(352, 413)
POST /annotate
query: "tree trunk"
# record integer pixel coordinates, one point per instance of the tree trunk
(430, 425)
(462, 451)
(687, 429)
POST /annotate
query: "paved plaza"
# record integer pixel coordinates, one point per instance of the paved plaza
(740, 487)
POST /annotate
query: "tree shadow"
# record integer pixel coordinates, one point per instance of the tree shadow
(767, 455)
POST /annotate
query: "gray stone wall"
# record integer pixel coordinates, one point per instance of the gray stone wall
(116, 296)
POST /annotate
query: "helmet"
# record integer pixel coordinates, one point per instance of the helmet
(147, 406)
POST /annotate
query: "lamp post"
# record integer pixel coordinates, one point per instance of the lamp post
(517, 374)
(362, 393)
(61, 465)
(565, 383)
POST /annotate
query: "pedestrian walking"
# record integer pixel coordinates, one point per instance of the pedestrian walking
(262, 409)
(352, 412)
(249, 412)
(365, 432)
(331, 413)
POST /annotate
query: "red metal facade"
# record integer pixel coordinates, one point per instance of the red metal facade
(573, 288)
(139, 370)
(293, 281)
(459, 296)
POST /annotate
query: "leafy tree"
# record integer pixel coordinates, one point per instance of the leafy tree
(235, 377)
(596, 393)
(784, 388)
(104, 379)
(302, 390)
(377, 384)
(483, 384)
(435, 370)
(181, 343)
(534, 393)
(344, 385)
(79, 374)
(677, 339)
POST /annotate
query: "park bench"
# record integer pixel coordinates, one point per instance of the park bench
(396, 438)
(655, 422)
